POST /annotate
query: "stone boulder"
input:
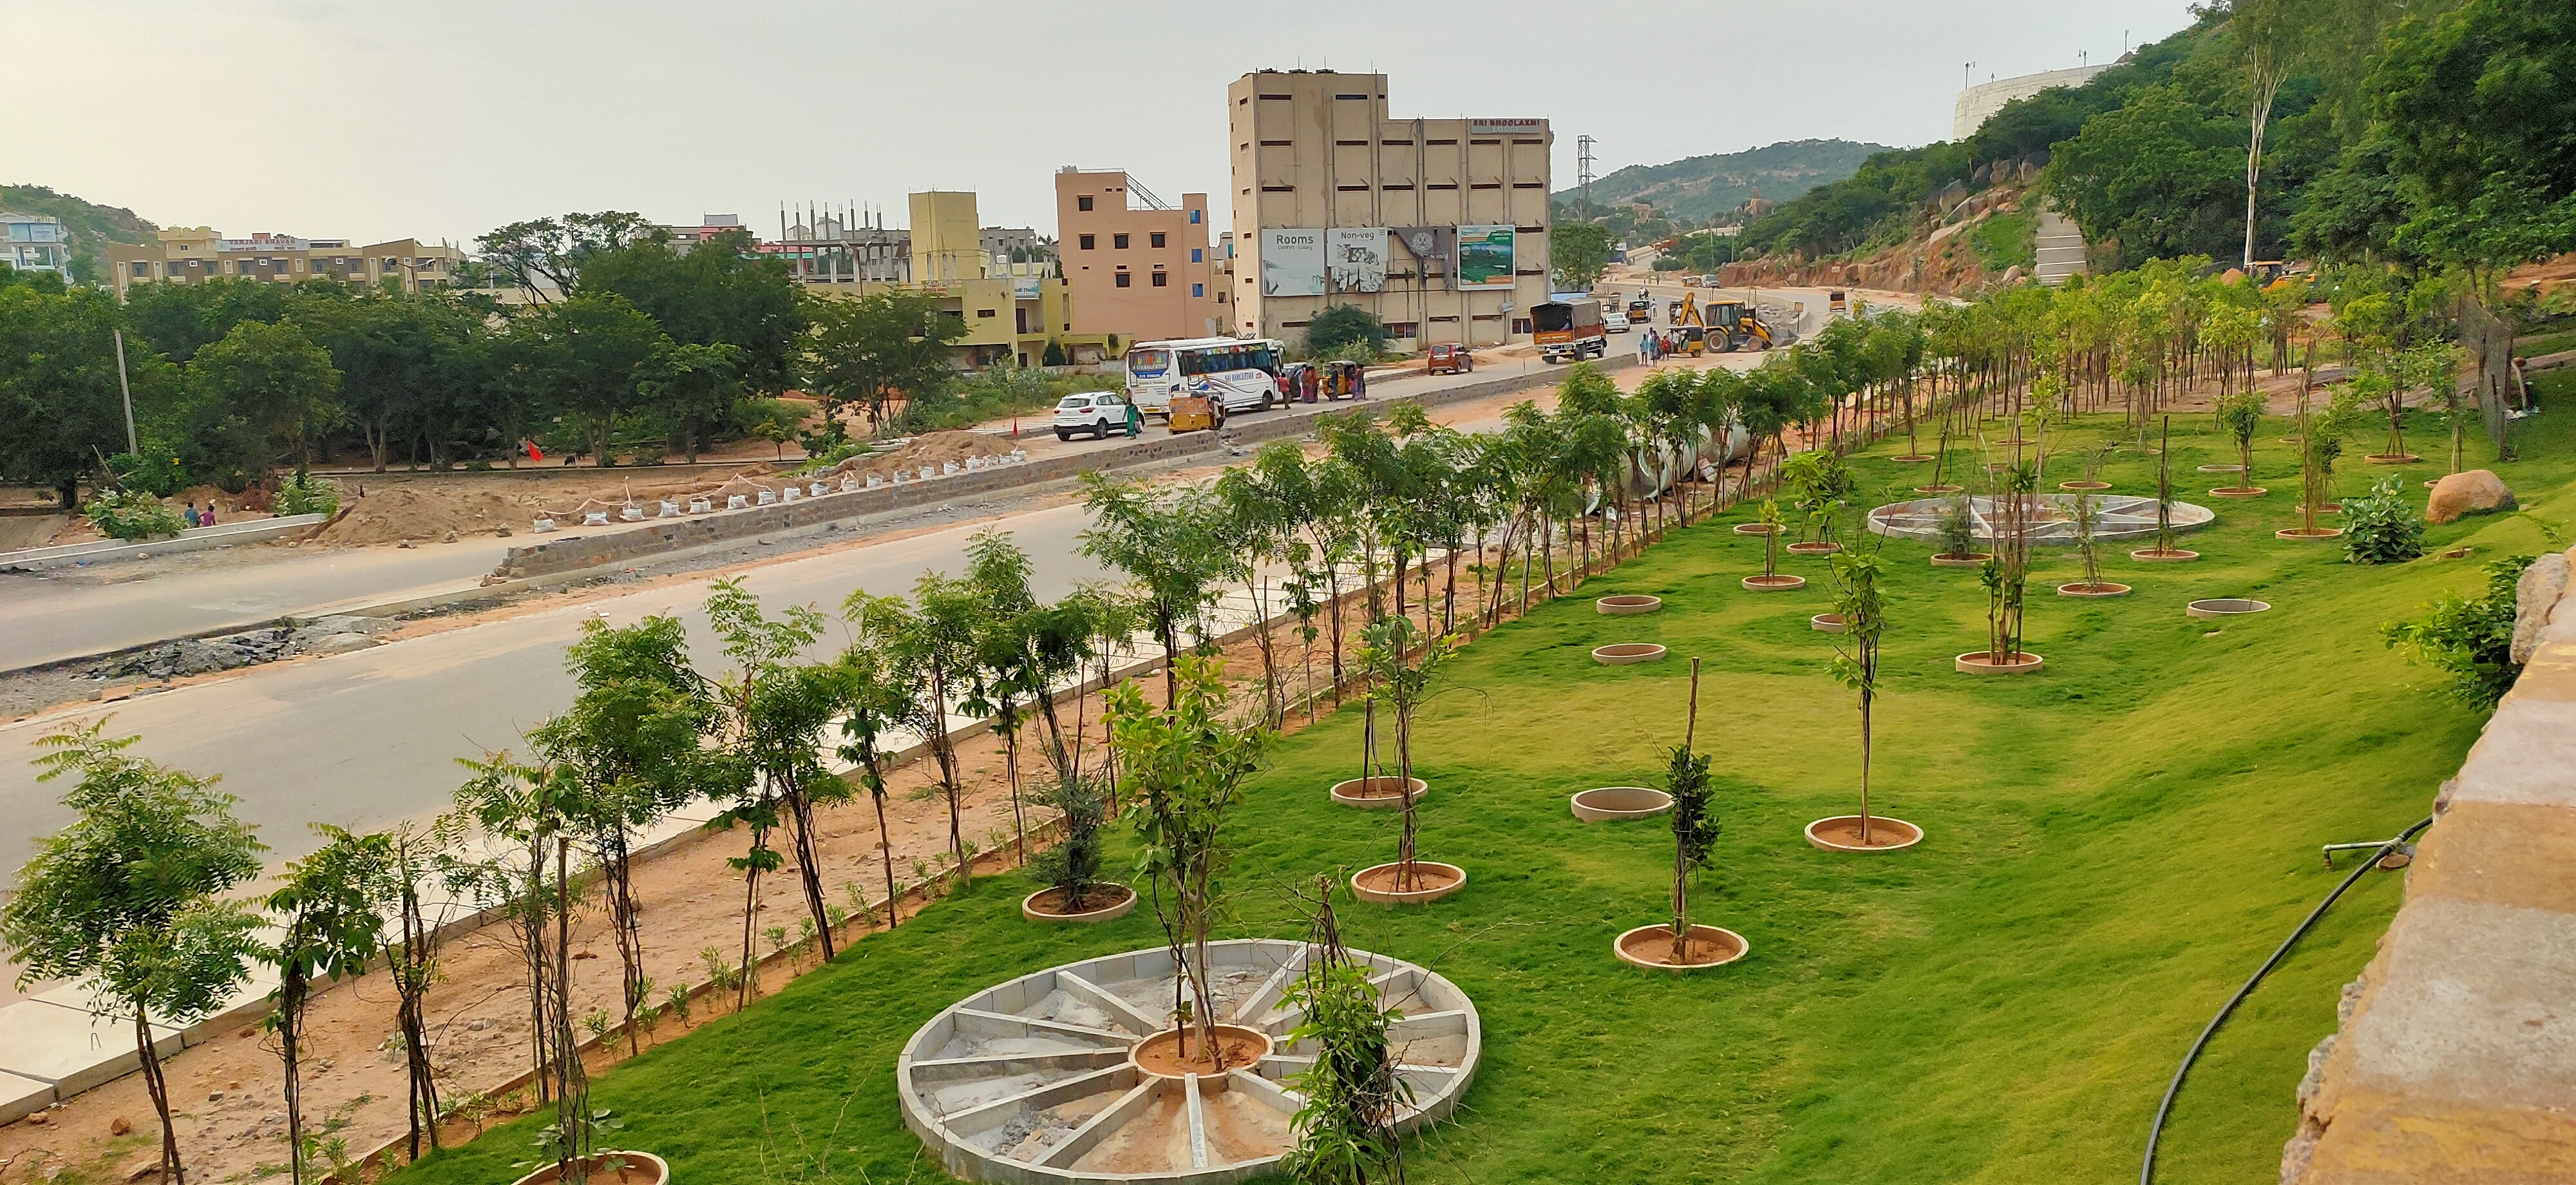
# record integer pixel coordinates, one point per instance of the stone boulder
(2534, 597)
(2467, 493)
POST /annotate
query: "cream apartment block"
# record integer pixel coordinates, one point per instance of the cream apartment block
(195, 254)
(1439, 226)
(1136, 265)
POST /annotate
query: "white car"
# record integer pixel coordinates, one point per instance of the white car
(1098, 413)
(1614, 322)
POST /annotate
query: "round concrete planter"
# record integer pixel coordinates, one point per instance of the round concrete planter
(1841, 833)
(1826, 623)
(2178, 555)
(1376, 794)
(1433, 881)
(1627, 605)
(2238, 492)
(2393, 459)
(1651, 947)
(1939, 489)
(1616, 804)
(2082, 486)
(1819, 548)
(1975, 662)
(1628, 653)
(2328, 508)
(636, 1168)
(2226, 607)
(2104, 589)
(1752, 528)
(1974, 559)
(2222, 468)
(1157, 1056)
(1914, 459)
(1124, 904)
(1780, 583)
(2309, 534)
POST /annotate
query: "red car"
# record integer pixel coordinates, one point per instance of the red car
(1449, 359)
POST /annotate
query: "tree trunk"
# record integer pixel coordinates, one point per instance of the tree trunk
(800, 810)
(159, 1088)
(290, 1019)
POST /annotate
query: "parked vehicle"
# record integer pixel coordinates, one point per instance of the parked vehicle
(1099, 413)
(1297, 383)
(1241, 373)
(1340, 380)
(1612, 322)
(1192, 413)
(1569, 330)
(1447, 358)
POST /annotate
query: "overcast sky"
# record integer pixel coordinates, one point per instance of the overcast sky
(375, 119)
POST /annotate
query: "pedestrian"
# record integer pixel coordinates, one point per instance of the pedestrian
(1135, 421)
(191, 514)
(1645, 348)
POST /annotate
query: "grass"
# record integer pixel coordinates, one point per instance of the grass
(2112, 846)
(2007, 240)
(1000, 391)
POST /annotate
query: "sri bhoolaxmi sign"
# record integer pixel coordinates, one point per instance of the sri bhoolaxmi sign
(1484, 257)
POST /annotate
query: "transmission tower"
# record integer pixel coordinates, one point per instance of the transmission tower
(1583, 169)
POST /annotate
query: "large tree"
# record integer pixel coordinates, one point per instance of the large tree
(716, 293)
(274, 378)
(1577, 254)
(544, 253)
(587, 359)
(880, 348)
(2481, 105)
(58, 386)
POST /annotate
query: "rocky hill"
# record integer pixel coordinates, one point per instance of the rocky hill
(90, 224)
(1697, 188)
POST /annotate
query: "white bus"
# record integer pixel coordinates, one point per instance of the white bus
(1243, 373)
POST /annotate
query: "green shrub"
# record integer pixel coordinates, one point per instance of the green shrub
(2383, 527)
(2470, 639)
(302, 493)
(1342, 325)
(160, 476)
(1958, 528)
(132, 514)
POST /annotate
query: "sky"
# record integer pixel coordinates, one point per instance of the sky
(380, 119)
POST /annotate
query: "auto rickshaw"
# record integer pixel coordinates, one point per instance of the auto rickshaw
(1343, 380)
(1194, 413)
(1296, 382)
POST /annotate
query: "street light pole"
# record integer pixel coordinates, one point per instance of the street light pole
(127, 389)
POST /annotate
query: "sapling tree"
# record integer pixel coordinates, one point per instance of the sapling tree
(416, 859)
(1817, 482)
(2434, 366)
(1350, 1094)
(124, 897)
(1958, 529)
(872, 706)
(929, 645)
(2088, 519)
(1402, 678)
(2007, 571)
(1864, 616)
(1072, 866)
(1185, 766)
(1168, 543)
(1006, 676)
(329, 914)
(1770, 520)
(1694, 817)
(2164, 486)
(2242, 417)
(780, 708)
(2321, 437)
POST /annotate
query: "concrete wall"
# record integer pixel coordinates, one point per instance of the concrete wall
(2456, 1060)
(1978, 103)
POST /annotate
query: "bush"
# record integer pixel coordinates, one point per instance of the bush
(1342, 325)
(132, 514)
(2383, 527)
(159, 477)
(1958, 528)
(301, 493)
(2470, 639)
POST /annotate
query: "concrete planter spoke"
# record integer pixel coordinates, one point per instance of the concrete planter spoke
(1778, 583)
(1979, 662)
(1651, 947)
(1627, 605)
(1120, 899)
(1615, 804)
(1628, 653)
(1381, 793)
(2215, 607)
(1841, 833)
(1432, 880)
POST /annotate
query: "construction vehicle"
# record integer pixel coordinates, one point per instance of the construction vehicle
(1691, 333)
(1569, 329)
(1735, 325)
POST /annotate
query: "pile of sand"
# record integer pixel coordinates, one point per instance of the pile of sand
(935, 450)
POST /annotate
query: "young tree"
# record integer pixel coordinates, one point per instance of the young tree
(329, 913)
(929, 646)
(1864, 617)
(1403, 680)
(1006, 677)
(1186, 765)
(124, 897)
(1072, 866)
(780, 709)
(1167, 542)
(2242, 416)
(1351, 1093)
(873, 705)
(1694, 817)
(417, 858)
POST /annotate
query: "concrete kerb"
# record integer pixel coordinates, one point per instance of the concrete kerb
(36, 559)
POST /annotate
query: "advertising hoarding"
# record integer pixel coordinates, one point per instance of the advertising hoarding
(1292, 262)
(1484, 257)
(1356, 258)
(1506, 127)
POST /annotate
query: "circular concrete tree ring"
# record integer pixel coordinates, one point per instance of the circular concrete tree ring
(1974, 559)
(1821, 547)
(1943, 488)
(1841, 833)
(2104, 589)
(1432, 880)
(1161, 1056)
(1628, 653)
(2174, 555)
(1779, 583)
(2223, 467)
(2393, 459)
(2226, 607)
(1627, 605)
(2115, 517)
(1035, 1080)
(2238, 492)
(1615, 804)
(1046, 905)
(1914, 459)
(1752, 528)
(2082, 486)
(2309, 534)
(1651, 947)
(1380, 793)
(1979, 662)
(633, 1168)
(1826, 623)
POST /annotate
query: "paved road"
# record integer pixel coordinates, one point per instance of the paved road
(66, 613)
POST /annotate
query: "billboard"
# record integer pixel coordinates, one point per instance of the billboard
(1292, 262)
(1432, 247)
(1356, 258)
(1484, 257)
(1506, 127)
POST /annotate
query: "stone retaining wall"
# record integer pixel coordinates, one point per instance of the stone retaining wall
(2456, 1060)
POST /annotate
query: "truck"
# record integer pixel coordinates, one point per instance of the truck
(1569, 330)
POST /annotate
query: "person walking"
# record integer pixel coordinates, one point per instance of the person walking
(1645, 348)
(1135, 421)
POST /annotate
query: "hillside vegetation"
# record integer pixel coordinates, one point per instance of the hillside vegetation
(90, 224)
(1696, 189)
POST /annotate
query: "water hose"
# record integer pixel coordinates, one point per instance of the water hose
(2147, 1170)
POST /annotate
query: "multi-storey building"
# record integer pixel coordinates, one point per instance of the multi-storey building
(1011, 310)
(35, 243)
(195, 254)
(1438, 226)
(1135, 264)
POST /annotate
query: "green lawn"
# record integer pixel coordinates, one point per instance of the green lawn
(2113, 844)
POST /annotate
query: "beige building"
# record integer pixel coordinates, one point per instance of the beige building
(1136, 265)
(1011, 311)
(1439, 226)
(194, 254)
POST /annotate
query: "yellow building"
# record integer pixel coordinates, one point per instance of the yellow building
(1010, 310)
(195, 254)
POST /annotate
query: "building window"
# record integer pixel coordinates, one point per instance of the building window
(142, 271)
(1392, 187)
(1122, 279)
(1083, 203)
(1162, 279)
(1538, 142)
(1277, 143)
(1400, 329)
(1194, 256)
(1086, 242)
(1484, 141)
(1351, 188)
(1350, 143)
(1521, 325)
(1118, 242)
(1437, 142)
(1194, 217)
(1156, 238)
(1363, 98)
(1485, 185)
(1278, 189)
(1529, 184)
(1438, 185)
(980, 313)
(1395, 143)
(1198, 290)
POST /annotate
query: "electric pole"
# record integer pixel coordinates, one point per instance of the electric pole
(1583, 170)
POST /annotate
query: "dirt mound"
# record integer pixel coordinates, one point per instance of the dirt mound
(426, 510)
(935, 450)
